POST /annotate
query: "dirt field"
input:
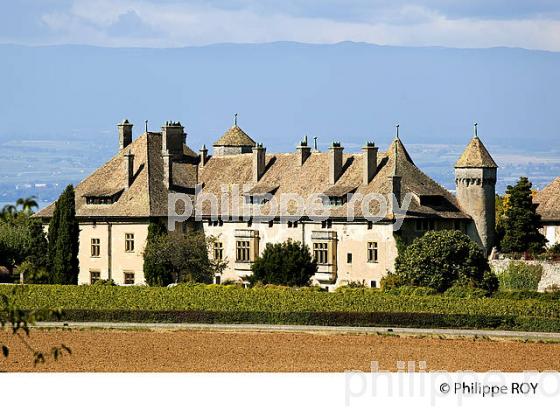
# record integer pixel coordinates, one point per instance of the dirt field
(243, 351)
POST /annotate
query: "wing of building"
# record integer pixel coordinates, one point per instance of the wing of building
(344, 206)
(548, 207)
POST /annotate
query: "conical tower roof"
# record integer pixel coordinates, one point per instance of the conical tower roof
(476, 156)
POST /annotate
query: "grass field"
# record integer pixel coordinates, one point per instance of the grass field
(234, 351)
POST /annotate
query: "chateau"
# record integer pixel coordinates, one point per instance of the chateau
(116, 203)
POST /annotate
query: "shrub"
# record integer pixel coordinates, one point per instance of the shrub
(439, 259)
(390, 281)
(466, 292)
(104, 282)
(288, 263)
(412, 291)
(520, 276)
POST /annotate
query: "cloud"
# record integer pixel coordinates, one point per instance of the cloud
(171, 23)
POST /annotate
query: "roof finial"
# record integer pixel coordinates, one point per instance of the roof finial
(235, 120)
(397, 127)
(315, 144)
(476, 129)
(146, 125)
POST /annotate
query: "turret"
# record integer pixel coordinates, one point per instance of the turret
(475, 180)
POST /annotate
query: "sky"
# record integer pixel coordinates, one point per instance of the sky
(533, 24)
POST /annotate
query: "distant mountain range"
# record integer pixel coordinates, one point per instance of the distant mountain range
(348, 92)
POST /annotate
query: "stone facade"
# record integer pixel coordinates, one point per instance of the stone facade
(476, 192)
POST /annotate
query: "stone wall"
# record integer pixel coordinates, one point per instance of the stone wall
(551, 270)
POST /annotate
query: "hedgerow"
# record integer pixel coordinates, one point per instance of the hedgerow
(219, 298)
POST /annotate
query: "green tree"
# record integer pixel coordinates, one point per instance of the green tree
(441, 259)
(8, 213)
(157, 268)
(38, 245)
(14, 243)
(63, 237)
(178, 258)
(288, 263)
(520, 221)
(27, 204)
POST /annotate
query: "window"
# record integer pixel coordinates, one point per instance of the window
(129, 242)
(95, 247)
(425, 225)
(292, 224)
(129, 278)
(218, 251)
(217, 279)
(94, 276)
(321, 252)
(270, 224)
(348, 258)
(243, 251)
(372, 252)
(326, 224)
(373, 284)
(369, 224)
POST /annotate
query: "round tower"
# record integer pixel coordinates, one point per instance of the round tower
(475, 180)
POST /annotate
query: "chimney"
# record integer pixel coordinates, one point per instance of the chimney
(125, 134)
(129, 167)
(335, 162)
(173, 138)
(167, 169)
(304, 151)
(369, 162)
(259, 162)
(203, 156)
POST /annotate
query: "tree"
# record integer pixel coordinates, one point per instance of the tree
(27, 204)
(64, 236)
(288, 263)
(157, 269)
(178, 258)
(441, 259)
(520, 222)
(14, 243)
(8, 212)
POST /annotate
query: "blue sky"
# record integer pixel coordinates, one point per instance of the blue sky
(531, 24)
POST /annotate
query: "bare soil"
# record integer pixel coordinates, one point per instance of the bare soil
(248, 351)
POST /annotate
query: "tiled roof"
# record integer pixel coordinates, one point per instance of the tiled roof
(548, 201)
(147, 195)
(476, 156)
(235, 137)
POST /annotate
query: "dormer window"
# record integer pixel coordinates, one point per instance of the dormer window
(256, 199)
(337, 195)
(260, 194)
(102, 197)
